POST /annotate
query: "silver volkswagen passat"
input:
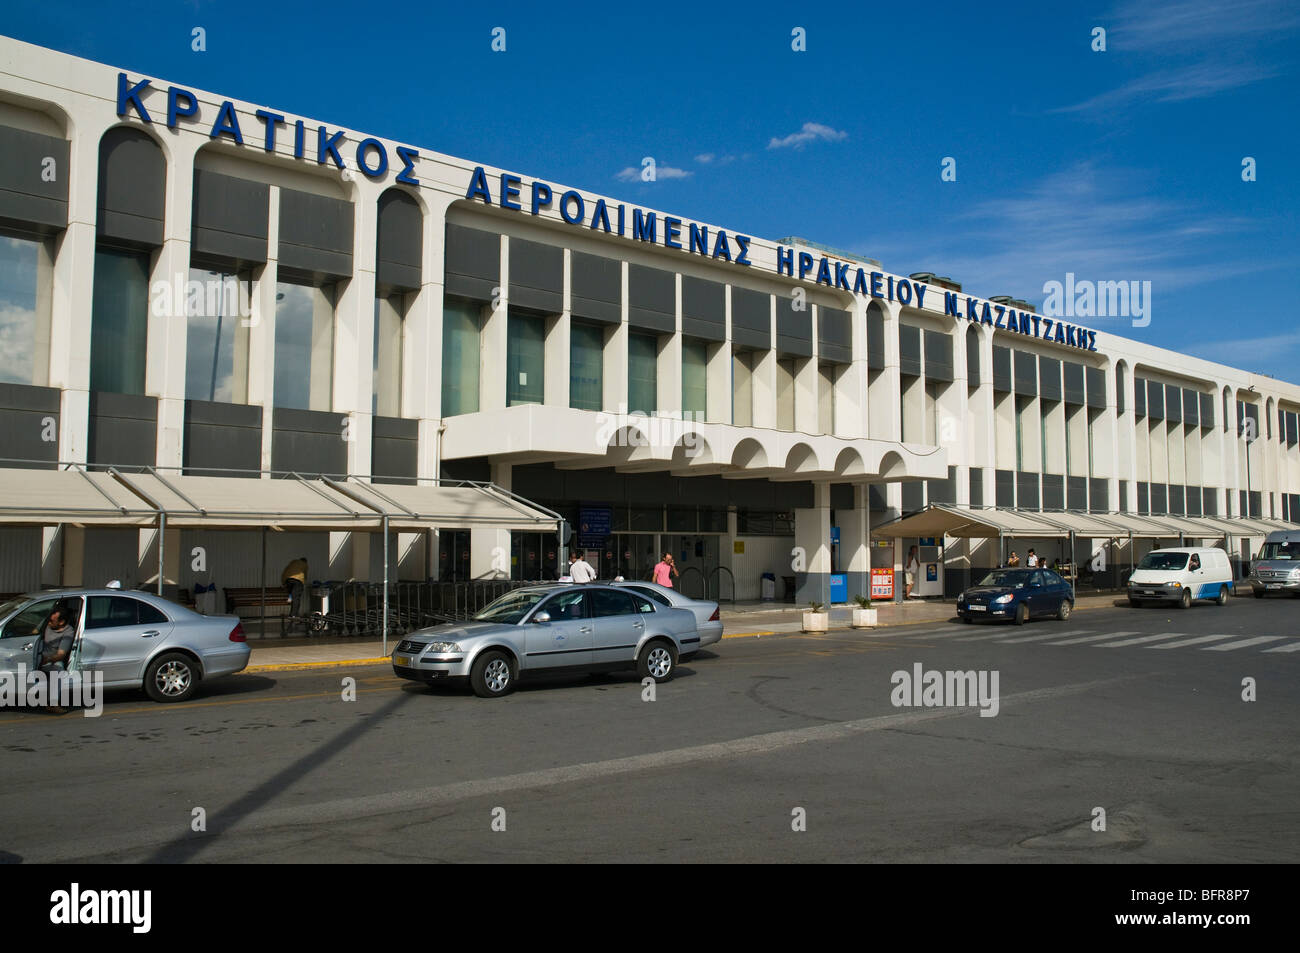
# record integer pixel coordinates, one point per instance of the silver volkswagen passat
(708, 619)
(542, 630)
(134, 639)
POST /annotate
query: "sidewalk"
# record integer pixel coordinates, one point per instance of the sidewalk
(741, 621)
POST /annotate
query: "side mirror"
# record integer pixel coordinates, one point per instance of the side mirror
(542, 618)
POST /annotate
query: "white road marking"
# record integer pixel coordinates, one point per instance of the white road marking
(1291, 647)
(1138, 641)
(1196, 641)
(1092, 638)
(983, 638)
(1244, 643)
(1039, 638)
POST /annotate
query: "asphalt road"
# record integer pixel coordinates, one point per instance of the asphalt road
(1137, 712)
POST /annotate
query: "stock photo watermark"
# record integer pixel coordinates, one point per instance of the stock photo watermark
(36, 688)
(920, 688)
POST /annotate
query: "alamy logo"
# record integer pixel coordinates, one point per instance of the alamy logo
(39, 689)
(1098, 299)
(99, 907)
(935, 689)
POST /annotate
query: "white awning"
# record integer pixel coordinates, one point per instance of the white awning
(46, 497)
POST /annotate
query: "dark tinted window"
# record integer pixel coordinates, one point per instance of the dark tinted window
(606, 602)
(658, 597)
(150, 615)
(641, 602)
(106, 612)
(566, 605)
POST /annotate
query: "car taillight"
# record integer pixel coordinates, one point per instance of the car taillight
(237, 633)
(715, 617)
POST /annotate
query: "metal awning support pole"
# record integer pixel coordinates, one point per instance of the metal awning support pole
(1002, 550)
(162, 536)
(1130, 554)
(384, 628)
(1074, 569)
(262, 622)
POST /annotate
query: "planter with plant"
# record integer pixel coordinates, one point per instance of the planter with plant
(864, 617)
(816, 618)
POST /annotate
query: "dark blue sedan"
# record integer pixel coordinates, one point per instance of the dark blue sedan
(1017, 595)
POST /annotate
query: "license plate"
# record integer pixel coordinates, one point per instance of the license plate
(977, 608)
(1273, 585)
(403, 660)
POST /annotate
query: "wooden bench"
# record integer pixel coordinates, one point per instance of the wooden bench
(246, 602)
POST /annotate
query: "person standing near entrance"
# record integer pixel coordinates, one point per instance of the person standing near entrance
(665, 570)
(910, 571)
(579, 569)
(294, 579)
(1032, 560)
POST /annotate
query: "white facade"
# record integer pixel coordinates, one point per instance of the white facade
(786, 417)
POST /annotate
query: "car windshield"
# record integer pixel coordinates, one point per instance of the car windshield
(1009, 578)
(511, 608)
(1270, 551)
(1163, 561)
(12, 605)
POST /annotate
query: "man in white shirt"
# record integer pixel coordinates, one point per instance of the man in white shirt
(1032, 561)
(579, 569)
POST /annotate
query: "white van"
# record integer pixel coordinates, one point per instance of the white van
(1181, 575)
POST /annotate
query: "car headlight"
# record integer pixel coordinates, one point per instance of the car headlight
(1174, 585)
(441, 647)
(1295, 573)
(1002, 600)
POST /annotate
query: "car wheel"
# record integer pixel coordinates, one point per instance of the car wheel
(656, 661)
(492, 675)
(1063, 613)
(171, 677)
(1022, 614)
(1223, 596)
(1185, 600)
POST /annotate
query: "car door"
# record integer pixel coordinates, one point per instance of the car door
(119, 633)
(21, 635)
(1040, 599)
(565, 640)
(618, 626)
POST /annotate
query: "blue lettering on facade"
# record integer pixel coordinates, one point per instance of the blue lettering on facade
(510, 191)
(130, 95)
(270, 121)
(478, 187)
(174, 110)
(700, 244)
(227, 124)
(644, 225)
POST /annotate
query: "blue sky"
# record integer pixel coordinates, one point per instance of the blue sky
(1117, 165)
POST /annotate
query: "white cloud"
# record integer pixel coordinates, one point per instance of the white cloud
(704, 158)
(810, 132)
(633, 173)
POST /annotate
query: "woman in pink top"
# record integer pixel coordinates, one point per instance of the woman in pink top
(665, 570)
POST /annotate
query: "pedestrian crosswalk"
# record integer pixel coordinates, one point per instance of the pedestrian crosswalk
(1216, 642)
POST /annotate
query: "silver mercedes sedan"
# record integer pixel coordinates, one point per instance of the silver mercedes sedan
(135, 639)
(543, 630)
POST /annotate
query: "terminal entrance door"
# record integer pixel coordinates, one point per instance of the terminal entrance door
(696, 558)
(453, 555)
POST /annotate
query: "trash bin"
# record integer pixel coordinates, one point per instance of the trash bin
(839, 588)
(767, 587)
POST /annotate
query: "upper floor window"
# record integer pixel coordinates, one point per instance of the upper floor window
(26, 282)
(304, 346)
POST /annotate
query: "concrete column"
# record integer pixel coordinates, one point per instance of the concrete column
(73, 294)
(168, 326)
(261, 329)
(74, 556)
(494, 342)
(855, 542)
(668, 368)
(489, 547)
(893, 429)
(354, 329)
(52, 555)
(851, 419)
(614, 363)
(812, 535)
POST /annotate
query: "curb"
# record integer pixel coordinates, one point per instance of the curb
(307, 666)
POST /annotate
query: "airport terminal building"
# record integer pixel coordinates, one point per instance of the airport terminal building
(229, 330)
